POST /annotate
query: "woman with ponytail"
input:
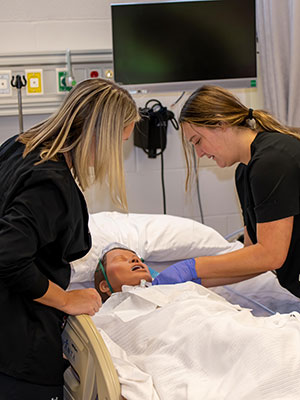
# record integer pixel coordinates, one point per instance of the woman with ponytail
(220, 127)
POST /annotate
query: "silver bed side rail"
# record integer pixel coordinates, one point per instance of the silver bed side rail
(92, 374)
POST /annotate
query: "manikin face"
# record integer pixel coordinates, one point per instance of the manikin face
(214, 143)
(124, 267)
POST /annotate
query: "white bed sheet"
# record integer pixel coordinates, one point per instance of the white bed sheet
(186, 342)
(263, 294)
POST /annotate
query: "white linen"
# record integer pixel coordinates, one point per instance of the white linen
(186, 342)
(154, 237)
(263, 290)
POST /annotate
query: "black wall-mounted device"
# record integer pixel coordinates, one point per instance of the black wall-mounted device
(150, 133)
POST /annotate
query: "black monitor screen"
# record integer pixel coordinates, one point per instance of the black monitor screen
(182, 41)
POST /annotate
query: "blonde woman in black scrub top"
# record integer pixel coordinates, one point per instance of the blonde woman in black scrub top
(44, 226)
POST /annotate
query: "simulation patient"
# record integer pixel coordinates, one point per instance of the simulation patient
(119, 265)
(183, 341)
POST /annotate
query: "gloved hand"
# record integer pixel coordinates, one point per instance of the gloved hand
(182, 271)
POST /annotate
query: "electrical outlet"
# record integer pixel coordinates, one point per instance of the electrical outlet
(5, 87)
(61, 83)
(34, 79)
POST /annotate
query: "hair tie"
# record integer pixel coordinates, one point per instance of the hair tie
(250, 113)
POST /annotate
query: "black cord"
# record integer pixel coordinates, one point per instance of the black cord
(197, 186)
(157, 108)
(161, 134)
(163, 182)
(161, 130)
(179, 98)
(156, 103)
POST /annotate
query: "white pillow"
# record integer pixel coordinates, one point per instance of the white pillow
(154, 237)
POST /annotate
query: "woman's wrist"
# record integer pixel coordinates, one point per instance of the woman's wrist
(54, 297)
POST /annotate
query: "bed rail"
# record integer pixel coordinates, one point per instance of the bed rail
(92, 374)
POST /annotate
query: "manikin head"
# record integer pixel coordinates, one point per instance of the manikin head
(122, 266)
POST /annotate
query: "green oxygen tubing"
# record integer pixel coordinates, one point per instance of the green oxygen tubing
(101, 268)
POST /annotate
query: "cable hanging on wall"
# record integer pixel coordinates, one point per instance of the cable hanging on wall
(150, 133)
(197, 185)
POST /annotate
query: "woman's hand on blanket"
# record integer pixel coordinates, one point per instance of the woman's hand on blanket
(182, 271)
(83, 301)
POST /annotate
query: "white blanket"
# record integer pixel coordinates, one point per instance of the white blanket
(185, 342)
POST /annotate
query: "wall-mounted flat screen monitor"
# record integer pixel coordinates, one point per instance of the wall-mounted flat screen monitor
(181, 44)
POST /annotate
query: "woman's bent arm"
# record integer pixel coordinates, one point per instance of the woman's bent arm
(73, 302)
(268, 253)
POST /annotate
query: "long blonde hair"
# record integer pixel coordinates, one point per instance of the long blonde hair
(89, 123)
(210, 105)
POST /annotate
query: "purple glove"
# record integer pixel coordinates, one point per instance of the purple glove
(182, 271)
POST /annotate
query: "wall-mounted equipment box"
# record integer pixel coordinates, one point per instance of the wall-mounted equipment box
(34, 79)
(61, 82)
(5, 87)
(45, 73)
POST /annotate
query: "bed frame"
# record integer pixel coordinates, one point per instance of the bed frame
(92, 374)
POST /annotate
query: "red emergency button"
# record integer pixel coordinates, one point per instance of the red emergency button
(94, 74)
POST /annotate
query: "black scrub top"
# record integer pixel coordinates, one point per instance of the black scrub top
(269, 189)
(43, 227)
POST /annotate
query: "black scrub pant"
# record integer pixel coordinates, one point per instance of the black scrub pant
(15, 389)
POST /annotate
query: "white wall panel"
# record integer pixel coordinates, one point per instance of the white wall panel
(218, 190)
(36, 10)
(9, 125)
(18, 36)
(78, 34)
(144, 192)
(234, 222)
(219, 223)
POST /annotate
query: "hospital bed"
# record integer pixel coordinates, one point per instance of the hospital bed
(92, 374)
